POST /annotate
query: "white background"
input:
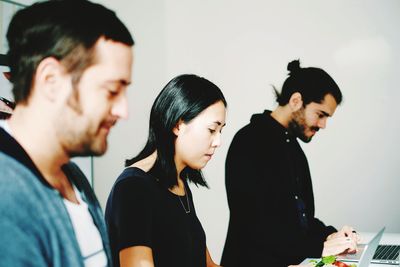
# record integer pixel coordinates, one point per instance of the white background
(244, 47)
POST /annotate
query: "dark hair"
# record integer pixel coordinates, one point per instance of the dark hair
(182, 99)
(6, 107)
(312, 83)
(66, 30)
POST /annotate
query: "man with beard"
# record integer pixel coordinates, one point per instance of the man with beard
(70, 64)
(268, 180)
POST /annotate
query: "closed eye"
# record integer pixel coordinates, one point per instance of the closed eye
(113, 92)
(322, 114)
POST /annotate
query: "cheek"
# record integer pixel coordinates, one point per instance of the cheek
(195, 145)
(311, 120)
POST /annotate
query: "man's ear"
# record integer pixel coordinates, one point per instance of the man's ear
(48, 76)
(296, 102)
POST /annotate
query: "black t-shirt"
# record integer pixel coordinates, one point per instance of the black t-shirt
(142, 212)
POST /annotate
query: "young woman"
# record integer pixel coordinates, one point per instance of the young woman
(150, 212)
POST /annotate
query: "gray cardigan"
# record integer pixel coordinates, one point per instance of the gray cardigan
(35, 228)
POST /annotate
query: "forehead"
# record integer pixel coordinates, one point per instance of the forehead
(214, 113)
(328, 105)
(113, 59)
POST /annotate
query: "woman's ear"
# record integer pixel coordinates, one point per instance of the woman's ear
(177, 127)
(296, 102)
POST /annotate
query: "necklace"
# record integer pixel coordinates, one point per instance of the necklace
(187, 201)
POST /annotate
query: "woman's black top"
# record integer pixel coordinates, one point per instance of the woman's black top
(142, 212)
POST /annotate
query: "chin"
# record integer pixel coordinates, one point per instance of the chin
(95, 149)
(100, 150)
(197, 166)
(305, 139)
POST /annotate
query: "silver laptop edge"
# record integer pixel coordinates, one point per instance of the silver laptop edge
(369, 251)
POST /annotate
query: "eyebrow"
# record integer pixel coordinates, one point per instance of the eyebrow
(121, 81)
(325, 113)
(219, 123)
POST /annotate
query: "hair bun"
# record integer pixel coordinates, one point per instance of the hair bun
(294, 66)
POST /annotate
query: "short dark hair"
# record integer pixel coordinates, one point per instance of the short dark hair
(312, 83)
(182, 99)
(64, 29)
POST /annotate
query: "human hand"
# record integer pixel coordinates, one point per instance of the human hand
(346, 231)
(339, 244)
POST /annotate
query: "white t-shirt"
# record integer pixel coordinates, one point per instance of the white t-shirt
(86, 232)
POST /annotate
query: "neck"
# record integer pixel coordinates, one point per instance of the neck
(283, 115)
(35, 133)
(180, 188)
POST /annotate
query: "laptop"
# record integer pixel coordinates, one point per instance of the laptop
(387, 254)
(381, 254)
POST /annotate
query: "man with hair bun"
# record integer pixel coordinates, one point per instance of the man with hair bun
(268, 180)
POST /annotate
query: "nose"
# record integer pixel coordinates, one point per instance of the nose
(120, 107)
(217, 140)
(322, 123)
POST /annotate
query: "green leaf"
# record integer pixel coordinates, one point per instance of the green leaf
(329, 259)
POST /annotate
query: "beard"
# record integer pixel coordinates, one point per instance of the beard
(298, 126)
(81, 134)
(86, 144)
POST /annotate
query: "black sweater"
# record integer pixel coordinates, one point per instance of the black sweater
(270, 198)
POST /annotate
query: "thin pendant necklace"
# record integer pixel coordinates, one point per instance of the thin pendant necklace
(187, 201)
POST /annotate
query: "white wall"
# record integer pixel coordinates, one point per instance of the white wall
(244, 47)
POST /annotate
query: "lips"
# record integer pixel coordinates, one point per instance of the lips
(107, 125)
(209, 155)
(314, 130)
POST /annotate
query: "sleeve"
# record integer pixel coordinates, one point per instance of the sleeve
(131, 213)
(318, 228)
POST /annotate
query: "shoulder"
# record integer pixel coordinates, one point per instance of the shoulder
(11, 166)
(133, 190)
(258, 123)
(26, 203)
(133, 179)
(16, 180)
(135, 175)
(147, 163)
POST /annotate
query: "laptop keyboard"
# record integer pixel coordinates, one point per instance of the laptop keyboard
(387, 252)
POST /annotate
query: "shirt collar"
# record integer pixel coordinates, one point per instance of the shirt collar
(279, 128)
(10, 147)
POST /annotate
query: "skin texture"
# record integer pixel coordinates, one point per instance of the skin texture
(99, 102)
(72, 121)
(308, 120)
